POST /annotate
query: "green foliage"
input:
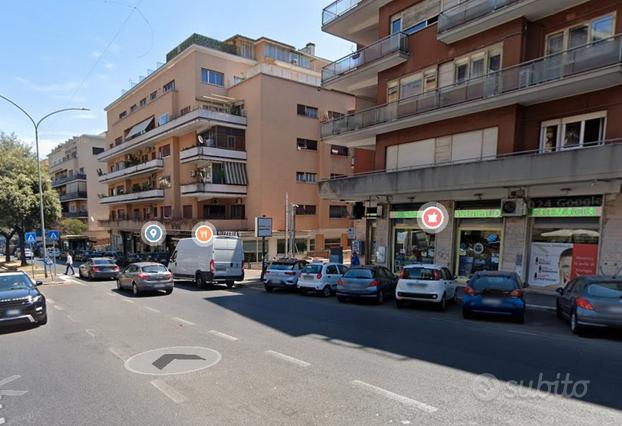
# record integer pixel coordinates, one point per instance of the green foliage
(69, 226)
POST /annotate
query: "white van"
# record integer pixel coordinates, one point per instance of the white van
(220, 262)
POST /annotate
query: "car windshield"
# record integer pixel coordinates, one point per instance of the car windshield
(312, 269)
(282, 266)
(418, 273)
(606, 289)
(499, 282)
(102, 262)
(154, 269)
(358, 273)
(15, 282)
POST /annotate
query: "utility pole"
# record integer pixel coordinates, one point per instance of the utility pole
(286, 224)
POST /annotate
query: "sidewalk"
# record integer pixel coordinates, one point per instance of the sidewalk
(39, 274)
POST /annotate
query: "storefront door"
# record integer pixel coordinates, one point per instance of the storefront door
(478, 249)
(411, 245)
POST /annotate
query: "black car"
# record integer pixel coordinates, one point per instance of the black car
(99, 268)
(20, 300)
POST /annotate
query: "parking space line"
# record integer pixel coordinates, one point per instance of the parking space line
(59, 308)
(183, 321)
(128, 300)
(76, 282)
(395, 397)
(169, 391)
(223, 335)
(90, 332)
(72, 319)
(155, 311)
(288, 358)
(118, 354)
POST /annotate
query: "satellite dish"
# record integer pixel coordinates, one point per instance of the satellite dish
(201, 141)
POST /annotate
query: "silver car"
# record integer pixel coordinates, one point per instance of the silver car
(145, 276)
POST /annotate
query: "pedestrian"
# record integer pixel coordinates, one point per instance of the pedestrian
(354, 259)
(69, 264)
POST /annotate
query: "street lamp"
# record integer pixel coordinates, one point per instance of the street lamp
(41, 209)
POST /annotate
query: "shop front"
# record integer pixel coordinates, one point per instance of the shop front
(410, 244)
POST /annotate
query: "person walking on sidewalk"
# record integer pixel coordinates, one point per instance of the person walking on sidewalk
(69, 264)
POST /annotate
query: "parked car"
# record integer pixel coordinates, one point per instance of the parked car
(425, 283)
(321, 278)
(98, 268)
(220, 262)
(53, 252)
(283, 273)
(591, 301)
(20, 300)
(495, 293)
(145, 276)
(372, 282)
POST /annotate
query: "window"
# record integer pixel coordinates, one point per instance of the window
(416, 17)
(230, 141)
(337, 211)
(282, 54)
(307, 111)
(573, 132)
(238, 211)
(478, 64)
(333, 115)
(306, 144)
(164, 182)
(592, 31)
(169, 86)
(166, 212)
(163, 119)
(153, 95)
(416, 84)
(212, 77)
(305, 210)
(214, 211)
(393, 93)
(164, 151)
(306, 177)
(133, 108)
(97, 150)
(396, 25)
(143, 102)
(184, 110)
(339, 150)
(186, 211)
(123, 115)
(118, 141)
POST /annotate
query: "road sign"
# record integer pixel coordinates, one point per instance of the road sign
(351, 233)
(263, 226)
(54, 235)
(173, 360)
(30, 237)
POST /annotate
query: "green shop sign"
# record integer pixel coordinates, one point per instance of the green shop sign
(477, 213)
(566, 212)
(409, 214)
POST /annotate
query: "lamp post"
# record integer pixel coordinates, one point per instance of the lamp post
(41, 209)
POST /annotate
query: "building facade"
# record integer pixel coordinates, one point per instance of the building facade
(222, 132)
(73, 168)
(507, 113)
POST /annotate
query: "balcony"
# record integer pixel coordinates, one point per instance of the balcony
(354, 20)
(584, 69)
(211, 153)
(148, 195)
(76, 215)
(585, 170)
(71, 196)
(472, 17)
(136, 170)
(204, 191)
(198, 120)
(66, 179)
(357, 73)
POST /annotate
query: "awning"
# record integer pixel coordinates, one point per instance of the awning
(139, 129)
(235, 173)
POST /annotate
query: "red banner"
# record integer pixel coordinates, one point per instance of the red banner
(584, 259)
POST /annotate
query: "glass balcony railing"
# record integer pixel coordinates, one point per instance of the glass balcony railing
(468, 11)
(73, 196)
(66, 179)
(338, 8)
(397, 42)
(516, 79)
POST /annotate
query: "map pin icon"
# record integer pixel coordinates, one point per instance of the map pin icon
(153, 232)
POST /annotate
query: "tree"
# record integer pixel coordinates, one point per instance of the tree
(19, 194)
(68, 226)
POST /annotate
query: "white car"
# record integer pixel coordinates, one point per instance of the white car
(321, 278)
(425, 283)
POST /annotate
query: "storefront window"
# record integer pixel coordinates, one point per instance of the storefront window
(411, 246)
(478, 250)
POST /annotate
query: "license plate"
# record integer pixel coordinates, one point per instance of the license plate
(420, 285)
(13, 312)
(159, 286)
(615, 309)
(307, 276)
(491, 302)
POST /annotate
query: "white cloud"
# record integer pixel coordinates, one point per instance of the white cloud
(110, 65)
(95, 54)
(65, 87)
(86, 115)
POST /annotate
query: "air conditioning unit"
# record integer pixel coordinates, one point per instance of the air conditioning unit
(513, 207)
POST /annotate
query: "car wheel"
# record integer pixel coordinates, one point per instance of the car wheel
(558, 311)
(442, 305)
(169, 291)
(268, 288)
(80, 273)
(135, 290)
(326, 291)
(341, 299)
(43, 321)
(455, 298)
(466, 314)
(119, 285)
(380, 297)
(199, 280)
(230, 284)
(521, 318)
(575, 327)
(90, 276)
(400, 304)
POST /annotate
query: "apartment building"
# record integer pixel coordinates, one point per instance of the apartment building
(73, 168)
(222, 132)
(507, 112)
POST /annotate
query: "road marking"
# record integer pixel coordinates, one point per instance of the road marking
(77, 282)
(288, 358)
(72, 319)
(223, 335)
(50, 300)
(2, 421)
(111, 294)
(155, 311)
(59, 308)
(395, 397)
(183, 321)
(118, 354)
(128, 300)
(172, 393)
(90, 332)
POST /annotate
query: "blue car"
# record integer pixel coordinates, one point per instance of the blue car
(495, 293)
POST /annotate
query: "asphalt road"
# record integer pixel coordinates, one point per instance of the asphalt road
(287, 359)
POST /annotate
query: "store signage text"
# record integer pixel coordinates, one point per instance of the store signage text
(566, 212)
(477, 213)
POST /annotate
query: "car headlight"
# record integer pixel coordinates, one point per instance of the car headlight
(35, 299)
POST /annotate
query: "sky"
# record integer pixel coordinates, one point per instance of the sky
(82, 53)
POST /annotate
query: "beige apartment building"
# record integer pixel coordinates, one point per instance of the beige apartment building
(73, 168)
(222, 132)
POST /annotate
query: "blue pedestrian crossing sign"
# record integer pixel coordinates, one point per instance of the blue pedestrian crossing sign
(53, 235)
(30, 237)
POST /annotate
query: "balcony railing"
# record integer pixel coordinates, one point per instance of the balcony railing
(151, 194)
(66, 179)
(468, 11)
(75, 215)
(515, 79)
(73, 196)
(337, 8)
(138, 169)
(211, 152)
(397, 42)
(213, 188)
